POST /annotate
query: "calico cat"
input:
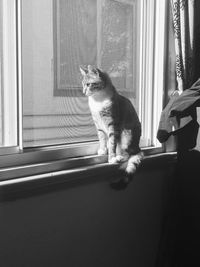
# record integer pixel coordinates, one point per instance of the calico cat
(115, 118)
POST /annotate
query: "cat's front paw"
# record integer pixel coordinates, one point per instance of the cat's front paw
(120, 158)
(117, 159)
(113, 160)
(102, 151)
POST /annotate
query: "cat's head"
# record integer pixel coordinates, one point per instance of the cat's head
(93, 80)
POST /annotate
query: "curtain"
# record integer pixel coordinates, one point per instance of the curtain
(186, 27)
(183, 22)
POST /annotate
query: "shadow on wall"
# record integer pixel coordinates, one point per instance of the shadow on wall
(181, 236)
(187, 180)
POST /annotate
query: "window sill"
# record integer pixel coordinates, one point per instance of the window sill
(26, 178)
(35, 162)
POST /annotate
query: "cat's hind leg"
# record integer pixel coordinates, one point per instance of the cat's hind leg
(131, 151)
(121, 155)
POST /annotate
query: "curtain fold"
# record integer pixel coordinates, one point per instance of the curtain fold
(183, 23)
(186, 25)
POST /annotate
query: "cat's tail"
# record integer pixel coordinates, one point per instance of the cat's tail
(133, 163)
(130, 166)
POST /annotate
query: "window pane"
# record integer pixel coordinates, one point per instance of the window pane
(117, 42)
(8, 95)
(75, 37)
(57, 37)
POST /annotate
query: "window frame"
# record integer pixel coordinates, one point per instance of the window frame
(9, 118)
(60, 156)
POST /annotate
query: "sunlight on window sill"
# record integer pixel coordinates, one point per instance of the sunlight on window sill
(65, 170)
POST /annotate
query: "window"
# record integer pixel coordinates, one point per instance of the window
(43, 43)
(101, 33)
(58, 37)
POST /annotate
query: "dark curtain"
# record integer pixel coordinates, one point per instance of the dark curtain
(186, 24)
(180, 240)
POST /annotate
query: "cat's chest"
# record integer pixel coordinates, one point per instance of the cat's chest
(97, 107)
(101, 113)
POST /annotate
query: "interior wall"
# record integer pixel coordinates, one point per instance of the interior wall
(87, 223)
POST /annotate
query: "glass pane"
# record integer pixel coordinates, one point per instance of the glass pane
(8, 95)
(75, 38)
(57, 37)
(117, 42)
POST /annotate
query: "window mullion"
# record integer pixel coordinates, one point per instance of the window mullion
(19, 75)
(146, 73)
(9, 122)
(9, 75)
(152, 68)
(159, 67)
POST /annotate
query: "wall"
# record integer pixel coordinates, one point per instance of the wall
(187, 204)
(86, 223)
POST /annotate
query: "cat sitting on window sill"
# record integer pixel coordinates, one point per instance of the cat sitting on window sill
(118, 126)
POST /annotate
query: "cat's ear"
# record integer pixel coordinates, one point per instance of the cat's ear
(94, 70)
(83, 70)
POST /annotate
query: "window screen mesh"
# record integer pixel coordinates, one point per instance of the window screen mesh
(59, 36)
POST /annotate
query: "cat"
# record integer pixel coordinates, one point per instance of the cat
(118, 126)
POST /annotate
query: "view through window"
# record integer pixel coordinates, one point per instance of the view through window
(42, 45)
(58, 37)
